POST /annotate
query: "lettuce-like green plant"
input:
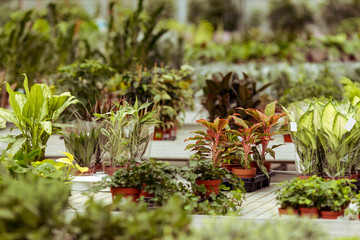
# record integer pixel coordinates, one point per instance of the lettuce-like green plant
(327, 137)
(35, 114)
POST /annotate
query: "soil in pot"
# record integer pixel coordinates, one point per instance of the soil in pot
(288, 211)
(144, 193)
(212, 186)
(132, 193)
(309, 212)
(229, 167)
(330, 214)
(244, 173)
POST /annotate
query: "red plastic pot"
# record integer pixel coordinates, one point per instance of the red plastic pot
(158, 134)
(287, 138)
(330, 214)
(244, 173)
(132, 193)
(212, 186)
(309, 212)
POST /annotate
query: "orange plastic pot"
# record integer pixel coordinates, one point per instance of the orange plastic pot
(132, 193)
(211, 186)
(244, 173)
(309, 212)
(330, 214)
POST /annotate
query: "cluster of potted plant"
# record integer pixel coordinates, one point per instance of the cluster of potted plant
(326, 137)
(240, 143)
(315, 197)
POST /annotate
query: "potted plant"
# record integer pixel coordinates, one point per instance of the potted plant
(157, 179)
(326, 137)
(223, 94)
(128, 132)
(310, 197)
(335, 197)
(35, 114)
(81, 141)
(268, 121)
(288, 197)
(209, 150)
(125, 181)
(207, 176)
(249, 137)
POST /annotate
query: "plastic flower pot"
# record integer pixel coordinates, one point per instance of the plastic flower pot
(244, 173)
(330, 214)
(309, 212)
(211, 186)
(132, 193)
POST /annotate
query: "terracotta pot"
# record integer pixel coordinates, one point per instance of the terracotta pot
(158, 134)
(288, 211)
(244, 173)
(330, 214)
(287, 138)
(145, 194)
(229, 167)
(212, 186)
(309, 212)
(132, 193)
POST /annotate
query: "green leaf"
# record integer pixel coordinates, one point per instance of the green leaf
(17, 145)
(270, 109)
(306, 121)
(12, 100)
(328, 116)
(47, 126)
(338, 126)
(26, 85)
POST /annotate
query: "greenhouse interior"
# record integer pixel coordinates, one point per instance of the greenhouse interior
(180, 119)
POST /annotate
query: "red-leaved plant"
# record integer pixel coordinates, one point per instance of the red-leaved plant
(265, 123)
(248, 134)
(212, 143)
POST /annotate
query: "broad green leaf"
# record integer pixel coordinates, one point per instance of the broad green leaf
(2, 123)
(306, 121)
(9, 116)
(71, 100)
(36, 107)
(270, 109)
(8, 138)
(66, 161)
(70, 156)
(47, 126)
(12, 100)
(338, 126)
(17, 145)
(328, 116)
(81, 169)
